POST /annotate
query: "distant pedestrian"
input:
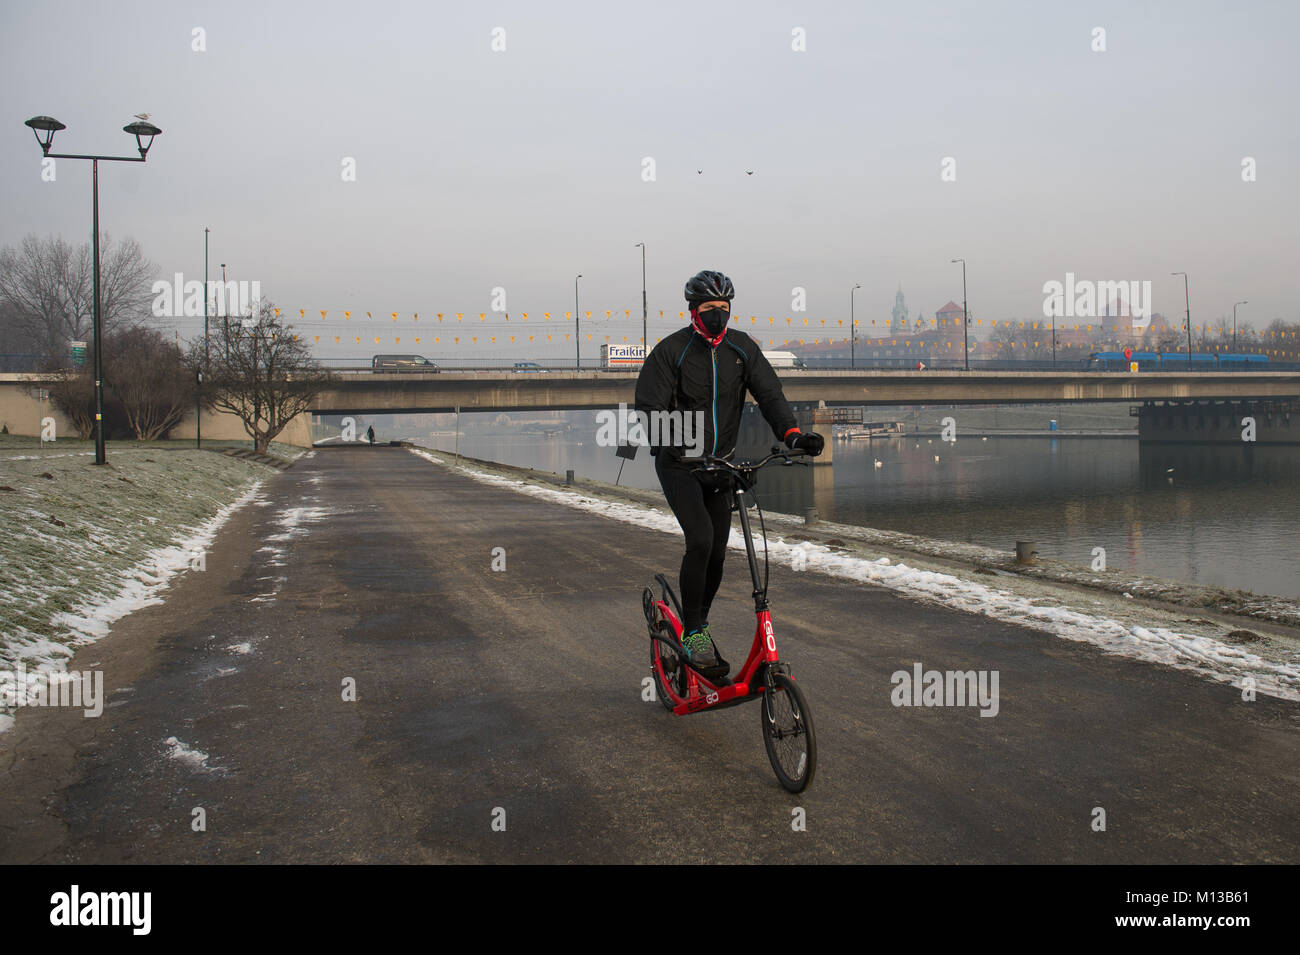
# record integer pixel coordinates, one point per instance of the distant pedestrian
(370, 434)
(920, 366)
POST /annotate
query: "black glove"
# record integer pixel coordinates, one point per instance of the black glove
(809, 441)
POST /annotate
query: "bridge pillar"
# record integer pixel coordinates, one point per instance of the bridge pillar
(1276, 421)
(756, 438)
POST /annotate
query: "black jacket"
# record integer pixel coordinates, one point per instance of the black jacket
(684, 373)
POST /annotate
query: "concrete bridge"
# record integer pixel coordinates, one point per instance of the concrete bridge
(506, 391)
(21, 411)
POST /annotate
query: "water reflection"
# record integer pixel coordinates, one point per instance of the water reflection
(1213, 514)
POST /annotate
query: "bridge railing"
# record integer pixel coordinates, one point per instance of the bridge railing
(824, 365)
(18, 363)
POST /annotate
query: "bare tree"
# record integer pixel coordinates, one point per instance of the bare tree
(48, 289)
(19, 349)
(1169, 340)
(72, 393)
(151, 379)
(260, 372)
(1022, 343)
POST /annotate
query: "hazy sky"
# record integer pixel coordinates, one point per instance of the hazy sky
(521, 168)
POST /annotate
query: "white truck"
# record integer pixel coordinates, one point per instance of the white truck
(622, 356)
(784, 359)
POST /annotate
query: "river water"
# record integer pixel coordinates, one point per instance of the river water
(1214, 515)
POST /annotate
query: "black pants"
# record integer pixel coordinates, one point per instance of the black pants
(705, 516)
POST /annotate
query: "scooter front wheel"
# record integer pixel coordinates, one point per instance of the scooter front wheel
(788, 732)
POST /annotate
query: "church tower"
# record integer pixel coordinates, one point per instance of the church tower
(899, 312)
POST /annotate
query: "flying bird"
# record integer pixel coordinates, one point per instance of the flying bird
(699, 172)
(749, 172)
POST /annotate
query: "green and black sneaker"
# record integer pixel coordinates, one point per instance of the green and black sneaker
(699, 649)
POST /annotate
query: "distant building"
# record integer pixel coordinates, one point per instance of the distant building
(949, 314)
(906, 337)
(899, 340)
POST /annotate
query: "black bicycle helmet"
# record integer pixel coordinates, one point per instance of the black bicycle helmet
(709, 286)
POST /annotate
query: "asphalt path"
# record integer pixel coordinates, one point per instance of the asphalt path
(499, 713)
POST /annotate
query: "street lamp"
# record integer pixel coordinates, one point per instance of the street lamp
(1053, 334)
(645, 311)
(49, 126)
(1188, 302)
(577, 327)
(198, 375)
(1234, 324)
(853, 330)
(965, 317)
(225, 312)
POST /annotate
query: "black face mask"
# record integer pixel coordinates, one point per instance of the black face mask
(715, 320)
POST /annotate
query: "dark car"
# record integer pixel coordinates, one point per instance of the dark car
(403, 363)
(528, 366)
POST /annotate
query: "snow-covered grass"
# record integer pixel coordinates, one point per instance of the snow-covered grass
(1141, 632)
(13, 447)
(84, 545)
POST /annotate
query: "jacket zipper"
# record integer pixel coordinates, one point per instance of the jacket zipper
(713, 353)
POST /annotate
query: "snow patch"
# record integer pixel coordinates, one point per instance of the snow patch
(42, 457)
(293, 522)
(195, 759)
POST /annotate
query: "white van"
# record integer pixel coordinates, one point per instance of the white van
(784, 359)
(384, 363)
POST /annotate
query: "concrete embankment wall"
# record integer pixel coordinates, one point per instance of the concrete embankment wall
(226, 427)
(22, 411)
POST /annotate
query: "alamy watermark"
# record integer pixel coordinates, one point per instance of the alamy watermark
(1083, 298)
(76, 907)
(182, 299)
(83, 689)
(922, 687)
(628, 426)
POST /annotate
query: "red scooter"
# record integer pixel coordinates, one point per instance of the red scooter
(683, 689)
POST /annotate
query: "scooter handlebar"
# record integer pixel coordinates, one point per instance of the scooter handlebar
(709, 462)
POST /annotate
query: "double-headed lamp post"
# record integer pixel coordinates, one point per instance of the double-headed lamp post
(577, 327)
(645, 309)
(853, 330)
(44, 128)
(1234, 323)
(965, 317)
(225, 312)
(1188, 302)
(198, 375)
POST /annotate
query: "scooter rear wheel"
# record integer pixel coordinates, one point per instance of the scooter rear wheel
(668, 669)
